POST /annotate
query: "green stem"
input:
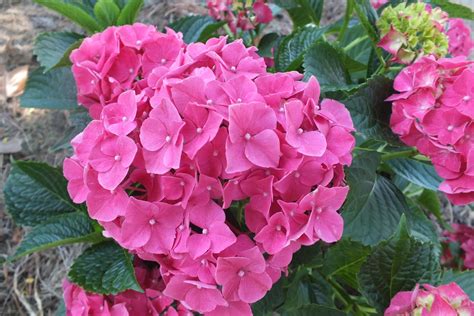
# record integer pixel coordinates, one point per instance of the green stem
(347, 18)
(228, 31)
(355, 42)
(399, 154)
(340, 293)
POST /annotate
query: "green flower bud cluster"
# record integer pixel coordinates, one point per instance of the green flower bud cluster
(422, 27)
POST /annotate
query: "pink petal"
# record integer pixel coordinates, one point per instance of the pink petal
(263, 149)
(254, 286)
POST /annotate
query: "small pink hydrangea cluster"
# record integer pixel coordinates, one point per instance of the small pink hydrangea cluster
(464, 236)
(446, 300)
(151, 302)
(200, 160)
(434, 112)
(246, 19)
(460, 40)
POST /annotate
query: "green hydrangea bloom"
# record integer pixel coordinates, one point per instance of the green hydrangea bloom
(423, 29)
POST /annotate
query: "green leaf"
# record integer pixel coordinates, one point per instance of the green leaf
(61, 310)
(314, 309)
(356, 44)
(309, 256)
(106, 12)
(55, 89)
(344, 260)
(52, 47)
(196, 28)
(417, 172)
(454, 10)
(48, 177)
(306, 288)
(104, 268)
(327, 64)
(129, 12)
(293, 47)
(429, 201)
(59, 230)
(464, 279)
(78, 119)
(302, 12)
(28, 200)
(374, 205)
(369, 111)
(397, 265)
(73, 13)
(268, 43)
(422, 228)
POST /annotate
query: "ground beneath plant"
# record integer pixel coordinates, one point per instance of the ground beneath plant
(32, 286)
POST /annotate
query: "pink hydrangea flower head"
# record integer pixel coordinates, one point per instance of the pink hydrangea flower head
(434, 112)
(194, 148)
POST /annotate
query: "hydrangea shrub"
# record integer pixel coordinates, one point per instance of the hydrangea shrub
(219, 168)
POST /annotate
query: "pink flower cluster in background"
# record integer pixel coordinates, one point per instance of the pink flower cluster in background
(446, 300)
(434, 112)
(200, 160)
(240, 18)
(459, 36)
(463, 235)
(151, 302)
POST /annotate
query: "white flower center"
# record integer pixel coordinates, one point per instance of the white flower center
(278, 227)
(450, 128)
(152, 221)
(168, 138)
(215, 153)
(239, 100)
(466, 98)
(297, 174)
(241, 273)
(204, 231)
(233, 68)
(199, 130)
(163, 61)
(138, 42)
(117, 158)
(300, 131)
(130, 70)
(209, 102)
(247, 136)
(124, 118)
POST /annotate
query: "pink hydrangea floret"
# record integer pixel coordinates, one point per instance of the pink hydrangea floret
(434, 111)
(446, 300)
(200, 160)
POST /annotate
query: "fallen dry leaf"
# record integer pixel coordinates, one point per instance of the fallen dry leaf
(16, 81)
